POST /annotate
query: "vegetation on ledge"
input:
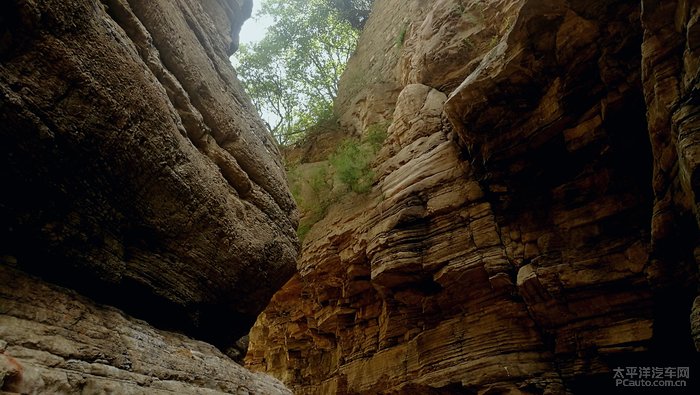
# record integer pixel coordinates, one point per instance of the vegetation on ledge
(348, 170)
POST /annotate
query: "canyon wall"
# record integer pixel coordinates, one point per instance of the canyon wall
(534, 220)
(137, 173)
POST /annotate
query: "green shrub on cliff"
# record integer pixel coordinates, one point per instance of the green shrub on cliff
(352, 161)
(376, 134)
(348, 170)
(313, 192)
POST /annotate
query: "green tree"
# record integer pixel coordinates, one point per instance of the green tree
(264, 75)
(354, 12)
(292, 74)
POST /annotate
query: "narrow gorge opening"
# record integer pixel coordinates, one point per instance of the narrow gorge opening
(367, 197)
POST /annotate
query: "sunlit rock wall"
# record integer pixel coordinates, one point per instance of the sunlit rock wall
(514, 240)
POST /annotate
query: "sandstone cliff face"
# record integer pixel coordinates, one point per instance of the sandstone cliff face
(534, 220)
(136, 172)
(134, 167)
(368, 90)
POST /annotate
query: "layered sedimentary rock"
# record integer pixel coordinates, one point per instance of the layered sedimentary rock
(136, 173)
(533, 223)
(671, 77)
(135, 169)
(368, 90)
(53, 341)
(393, 290)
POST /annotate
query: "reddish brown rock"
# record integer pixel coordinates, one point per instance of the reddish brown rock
(380, 303)
(670, 72)
(523, 235)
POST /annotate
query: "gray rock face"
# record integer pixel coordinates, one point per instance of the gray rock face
(135, 169)
(56, 342)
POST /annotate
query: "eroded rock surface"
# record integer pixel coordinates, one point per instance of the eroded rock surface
(53, 341)
(533, 222)
(368, 89)
(135, 169)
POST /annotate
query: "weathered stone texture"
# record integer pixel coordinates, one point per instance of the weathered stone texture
(134, 167)
(53, 341)
(523, 235)
(368, 89)
(380, 302)
(671, 77)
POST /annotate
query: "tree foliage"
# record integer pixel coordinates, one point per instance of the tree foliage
(355, 12)
(292, 74)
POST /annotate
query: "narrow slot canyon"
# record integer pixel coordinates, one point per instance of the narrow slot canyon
(484, 197)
